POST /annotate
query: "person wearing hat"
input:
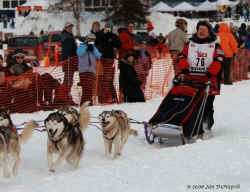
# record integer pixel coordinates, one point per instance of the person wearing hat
(16, 63)
(21, 83)
(177, 40)
(201, 59)
(87, 56)
(130, 85)
(109, 46)
(144, 63)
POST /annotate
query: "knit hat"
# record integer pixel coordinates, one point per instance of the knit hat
(18, 52)
(67, 24)
(91, 36)
(204, 23)
(129, 53)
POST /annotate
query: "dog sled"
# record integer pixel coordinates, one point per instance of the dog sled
(181, 112)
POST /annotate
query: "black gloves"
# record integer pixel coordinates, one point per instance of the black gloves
(90, 48)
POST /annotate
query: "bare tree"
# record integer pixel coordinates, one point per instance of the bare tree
(75, 6)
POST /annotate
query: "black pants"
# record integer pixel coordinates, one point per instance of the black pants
(209, 111)
(226, 69)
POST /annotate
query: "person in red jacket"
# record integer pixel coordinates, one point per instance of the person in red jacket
(201, 60)
(127, 39)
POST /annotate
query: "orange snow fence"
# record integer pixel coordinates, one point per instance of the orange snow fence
(44, 88)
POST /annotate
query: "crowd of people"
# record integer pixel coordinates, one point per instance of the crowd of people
(242, 10)
(127, 47)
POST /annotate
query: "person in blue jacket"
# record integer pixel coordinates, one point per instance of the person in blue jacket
(87, 61)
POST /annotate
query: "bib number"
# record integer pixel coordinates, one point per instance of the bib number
(200, 61)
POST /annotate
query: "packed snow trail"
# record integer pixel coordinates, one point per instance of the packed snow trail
(221, 162)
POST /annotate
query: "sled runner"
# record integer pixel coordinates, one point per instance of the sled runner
(181, 112)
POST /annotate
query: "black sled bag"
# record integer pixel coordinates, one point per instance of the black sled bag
(180, 107)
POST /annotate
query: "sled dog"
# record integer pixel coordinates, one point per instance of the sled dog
(65, 137)
(10, 141)
(116, 129)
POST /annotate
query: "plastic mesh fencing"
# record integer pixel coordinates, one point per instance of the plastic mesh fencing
(53, 86)
(240, 64)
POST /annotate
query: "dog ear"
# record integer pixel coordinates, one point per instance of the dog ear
(5, 111)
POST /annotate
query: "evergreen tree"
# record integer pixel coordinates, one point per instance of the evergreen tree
(129, 11)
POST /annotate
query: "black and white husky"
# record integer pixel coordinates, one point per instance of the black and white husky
(10, 141)
(65, 136)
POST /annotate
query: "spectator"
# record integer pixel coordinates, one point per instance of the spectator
(88, 55)
(239, 9)
(242, 40)
(127, 39)
(144, 63)
(242, 29)
(129, 83)
(96, 30)
(230, 47)
(235, 33)
(69, 65)
(247, 42)
(245, 12)
(229, 11)
(20, 84)
(177, 40)
(109, 45)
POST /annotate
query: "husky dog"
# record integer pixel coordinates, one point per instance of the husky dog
(65, 137)
(10, 141)
(116, 129)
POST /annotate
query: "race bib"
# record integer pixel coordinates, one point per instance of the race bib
(200, 57)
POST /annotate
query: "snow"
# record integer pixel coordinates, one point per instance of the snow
(220, 160)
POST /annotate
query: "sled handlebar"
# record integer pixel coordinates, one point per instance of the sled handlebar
(182, 80)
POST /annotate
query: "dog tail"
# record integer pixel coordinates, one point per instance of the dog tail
(27, 131)
(132, 132)
(84, 116)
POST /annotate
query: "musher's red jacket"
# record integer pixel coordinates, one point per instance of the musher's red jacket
(211, 72)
